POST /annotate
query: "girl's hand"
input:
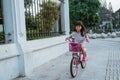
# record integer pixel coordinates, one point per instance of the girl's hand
(87, 40)
(67, 39)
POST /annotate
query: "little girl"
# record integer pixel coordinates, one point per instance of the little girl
(78, 34)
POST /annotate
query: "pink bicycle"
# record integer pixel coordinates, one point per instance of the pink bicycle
(77, 56)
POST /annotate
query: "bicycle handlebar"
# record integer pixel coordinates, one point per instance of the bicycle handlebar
(81, 41)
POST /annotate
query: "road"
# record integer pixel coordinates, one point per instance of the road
(103, 63)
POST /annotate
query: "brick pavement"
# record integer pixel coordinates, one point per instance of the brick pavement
(113, 65)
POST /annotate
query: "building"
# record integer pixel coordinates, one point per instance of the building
(19, 56)
(116, 21)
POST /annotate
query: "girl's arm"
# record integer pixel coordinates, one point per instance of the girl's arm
(87, 38)
(68, 38)
(71, 36)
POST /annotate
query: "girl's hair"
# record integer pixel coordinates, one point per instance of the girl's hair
(83, 30)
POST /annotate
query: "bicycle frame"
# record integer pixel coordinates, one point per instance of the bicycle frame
(78, 55)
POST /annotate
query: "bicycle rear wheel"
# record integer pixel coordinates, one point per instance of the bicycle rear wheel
(83, 64)
(74, 67)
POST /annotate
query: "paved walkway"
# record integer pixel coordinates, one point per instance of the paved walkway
(103, 63)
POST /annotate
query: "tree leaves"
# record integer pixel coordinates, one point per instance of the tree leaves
(48, 15)
(86, 11)
(27, 3)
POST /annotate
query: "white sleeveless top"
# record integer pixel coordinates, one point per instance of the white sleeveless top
(77, 36)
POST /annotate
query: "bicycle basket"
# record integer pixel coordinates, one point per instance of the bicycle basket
(74, 47)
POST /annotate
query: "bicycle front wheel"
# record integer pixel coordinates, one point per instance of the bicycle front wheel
(74, 67)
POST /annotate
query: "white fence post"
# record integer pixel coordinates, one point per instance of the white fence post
(65, 16)
(14, 22)
(8, 21)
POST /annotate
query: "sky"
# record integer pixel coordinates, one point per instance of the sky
(115, 4)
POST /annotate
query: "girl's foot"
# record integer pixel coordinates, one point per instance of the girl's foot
(84, 58)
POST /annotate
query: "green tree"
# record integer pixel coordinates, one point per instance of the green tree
(47, 16)
(104, 14)
(108, 27)
(27, 3)
(84, 10)
(30, 21)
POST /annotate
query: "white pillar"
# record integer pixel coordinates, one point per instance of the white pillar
(65, 17)
(56, 28)
(14, 21)
(8, 21)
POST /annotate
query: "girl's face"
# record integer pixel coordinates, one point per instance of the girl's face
(78, 28)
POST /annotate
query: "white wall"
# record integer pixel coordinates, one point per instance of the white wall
(36, 53)
(8, 62)
(40, 51)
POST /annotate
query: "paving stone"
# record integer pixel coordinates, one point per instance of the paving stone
(113, 65)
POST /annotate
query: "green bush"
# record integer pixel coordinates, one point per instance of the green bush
(98, 31)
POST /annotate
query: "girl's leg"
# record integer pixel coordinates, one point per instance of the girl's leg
(84, 53)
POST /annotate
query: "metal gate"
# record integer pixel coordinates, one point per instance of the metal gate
(42, 19)
(2, 35)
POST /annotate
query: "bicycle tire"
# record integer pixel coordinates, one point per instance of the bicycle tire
(74, 62)
(83, 64)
